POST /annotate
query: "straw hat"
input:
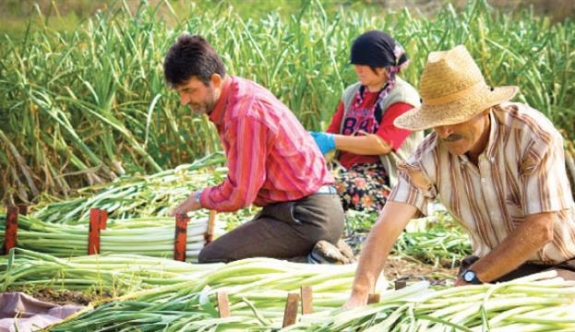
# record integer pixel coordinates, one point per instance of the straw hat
(452, 90)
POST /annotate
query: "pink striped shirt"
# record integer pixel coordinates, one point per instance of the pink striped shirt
(271, 157)
(520, 173)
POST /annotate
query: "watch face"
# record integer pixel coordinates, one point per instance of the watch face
(469, 276)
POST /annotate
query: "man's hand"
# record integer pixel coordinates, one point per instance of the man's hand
(532, 234)
(325, 141)
(460, 282)
(355, 301)
(190, 204)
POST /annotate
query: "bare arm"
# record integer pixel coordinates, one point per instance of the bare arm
(392, 220)
(370, 144)
(516, 249)
(192, 203)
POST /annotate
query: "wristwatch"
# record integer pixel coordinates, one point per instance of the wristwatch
(470, 277)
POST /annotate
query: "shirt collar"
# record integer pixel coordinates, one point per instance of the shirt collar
(217, 114)
(489, 148)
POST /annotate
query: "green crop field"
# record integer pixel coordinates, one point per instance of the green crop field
(85, 105)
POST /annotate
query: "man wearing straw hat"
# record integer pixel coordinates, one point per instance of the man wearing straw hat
(497, 166)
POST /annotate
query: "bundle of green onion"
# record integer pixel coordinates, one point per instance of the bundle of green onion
(174, 296)
(258, 288)
(134, 196)
(113, 273)
(540, 302)
(145, 236)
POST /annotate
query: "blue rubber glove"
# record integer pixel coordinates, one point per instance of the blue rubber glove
(325, 141)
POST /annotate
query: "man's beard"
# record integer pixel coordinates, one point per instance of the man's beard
(206, 107)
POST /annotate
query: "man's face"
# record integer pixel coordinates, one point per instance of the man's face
(198, 96)
(468, 137)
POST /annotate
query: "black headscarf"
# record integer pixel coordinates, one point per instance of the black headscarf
(377, 49)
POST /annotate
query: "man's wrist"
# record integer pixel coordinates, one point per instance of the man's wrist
(470, 277)
(197, 196)
(360, 291)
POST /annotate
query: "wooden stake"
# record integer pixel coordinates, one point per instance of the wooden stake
(290, 313)
(103, 219)
(306, 300)
(223, 304)
(209, 236)
(373, 298)
(11, 231)
(400, 283)
(98, 220)
(181, 237)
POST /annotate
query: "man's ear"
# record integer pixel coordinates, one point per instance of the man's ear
(216, 80)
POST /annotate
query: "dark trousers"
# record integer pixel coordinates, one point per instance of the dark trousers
(566, 269)
(286, 230)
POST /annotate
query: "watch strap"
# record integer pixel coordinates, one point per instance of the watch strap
(470, 277)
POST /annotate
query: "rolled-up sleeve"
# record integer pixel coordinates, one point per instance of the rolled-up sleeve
(544, 180)
(412, 187)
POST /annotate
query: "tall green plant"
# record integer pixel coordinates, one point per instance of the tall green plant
(84, 106)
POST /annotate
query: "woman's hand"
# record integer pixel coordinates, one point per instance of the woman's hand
(325, 141)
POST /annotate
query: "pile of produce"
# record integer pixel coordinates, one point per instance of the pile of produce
(146, 236)
(155, 294)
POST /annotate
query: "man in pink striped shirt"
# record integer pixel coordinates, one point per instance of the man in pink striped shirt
(273, 162)
(497, 166)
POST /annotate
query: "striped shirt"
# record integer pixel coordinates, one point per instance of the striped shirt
(271, 157)
(520, 173)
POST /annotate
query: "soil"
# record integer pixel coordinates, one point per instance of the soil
(62, 297)
(407, 269)
(410, 271)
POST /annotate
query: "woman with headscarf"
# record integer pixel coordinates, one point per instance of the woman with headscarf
(362, 132)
